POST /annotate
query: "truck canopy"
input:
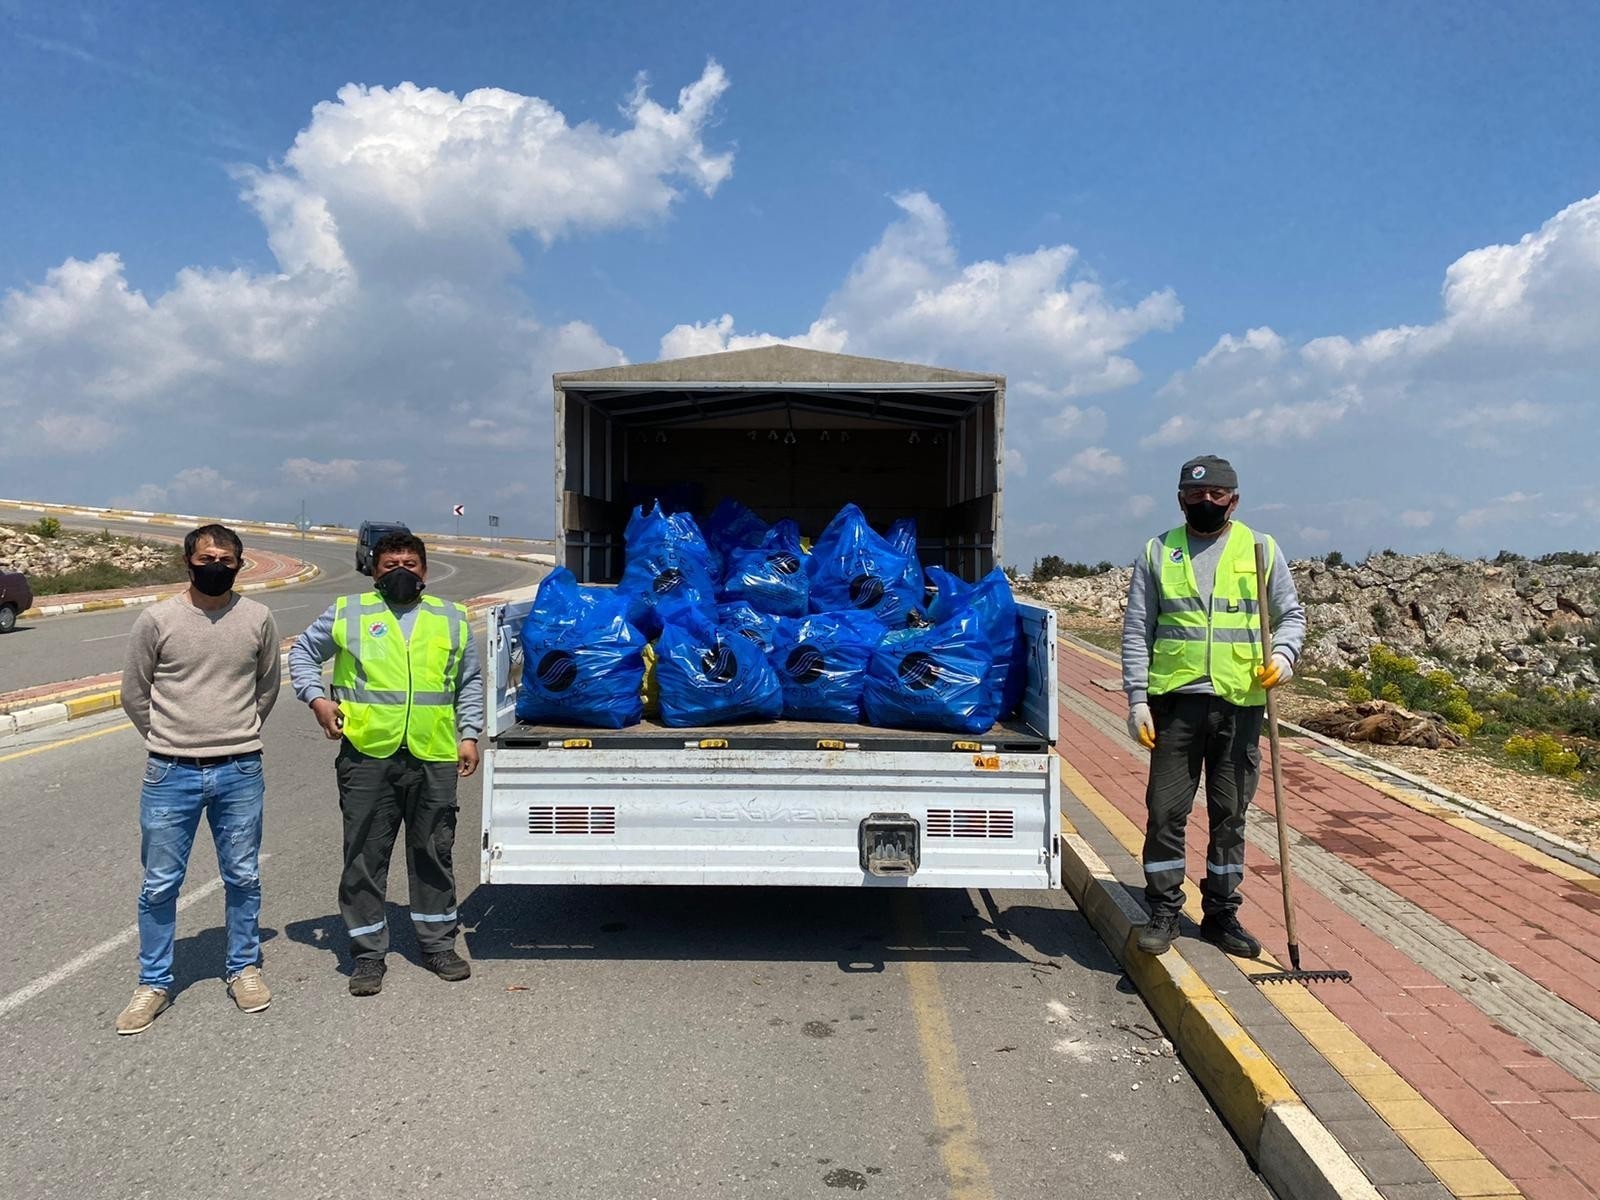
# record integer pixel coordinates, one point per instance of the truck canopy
(790, 432)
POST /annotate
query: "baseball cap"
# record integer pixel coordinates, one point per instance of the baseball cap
(1207, 470)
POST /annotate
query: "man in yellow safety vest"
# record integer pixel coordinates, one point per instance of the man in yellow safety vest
(1196, 677)
(407, 710)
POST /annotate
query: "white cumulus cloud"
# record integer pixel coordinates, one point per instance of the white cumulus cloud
(389, 327)
(1089, 466)
(1499, 385)
(1037, 316)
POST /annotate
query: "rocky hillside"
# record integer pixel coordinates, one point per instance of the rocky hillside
(72, 550)
(1489, 623)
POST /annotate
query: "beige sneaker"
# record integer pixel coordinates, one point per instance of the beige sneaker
(147, 1004)
(249, 990)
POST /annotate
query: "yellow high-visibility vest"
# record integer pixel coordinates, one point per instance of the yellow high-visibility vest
(1222, 640)
(391, 689)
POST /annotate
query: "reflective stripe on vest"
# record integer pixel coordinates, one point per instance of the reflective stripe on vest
(392, 689)
(1221, 640)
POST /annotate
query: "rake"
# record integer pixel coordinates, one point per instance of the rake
(1296, 975)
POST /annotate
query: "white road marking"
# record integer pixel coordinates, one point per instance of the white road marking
(45, 982)
(110, 637)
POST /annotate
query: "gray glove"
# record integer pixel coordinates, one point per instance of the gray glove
(1141, 725)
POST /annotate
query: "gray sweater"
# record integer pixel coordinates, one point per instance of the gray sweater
(200, 684)
(1144, 601)
(316, 646)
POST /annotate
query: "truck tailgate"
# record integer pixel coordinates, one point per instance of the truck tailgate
(573, 816)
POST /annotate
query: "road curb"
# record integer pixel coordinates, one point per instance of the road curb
(1294, 1151)
(54, 712)
(442, 542)
(307, 572)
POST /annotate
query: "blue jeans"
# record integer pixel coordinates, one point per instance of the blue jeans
(170, 804)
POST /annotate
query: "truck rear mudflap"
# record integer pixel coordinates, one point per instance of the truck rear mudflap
(843, 818)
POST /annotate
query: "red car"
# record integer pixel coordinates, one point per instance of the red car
(16, 598)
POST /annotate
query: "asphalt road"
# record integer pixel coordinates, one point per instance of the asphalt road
(614, 1043)
(58, 649)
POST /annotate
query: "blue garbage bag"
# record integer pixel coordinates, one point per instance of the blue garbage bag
(997, 608)
(668, 571)
(709, 675)
(865, 623)
(771, 576)
(740, 616)
(731, 526)
(821, 661)
(902, 536)
(936, 677)
(583, 663)
(854, 566)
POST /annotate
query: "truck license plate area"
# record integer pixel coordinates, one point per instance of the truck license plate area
(891, 844)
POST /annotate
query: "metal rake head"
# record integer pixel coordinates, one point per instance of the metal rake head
(1301, 977)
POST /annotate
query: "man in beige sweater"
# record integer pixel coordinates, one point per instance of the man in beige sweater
(201, 677)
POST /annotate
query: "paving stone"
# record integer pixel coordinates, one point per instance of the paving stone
(1388, 1167)
(1433, 1190)
(1338, 1104)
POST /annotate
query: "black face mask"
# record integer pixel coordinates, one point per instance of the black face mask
(1205, 517)
(212, 578)
(399, 586)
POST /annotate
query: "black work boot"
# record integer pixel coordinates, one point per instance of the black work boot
(367, 978)
(1158, 932)
(448, 965)
(1224, 930)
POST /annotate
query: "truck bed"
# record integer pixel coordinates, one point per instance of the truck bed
(1009, 736)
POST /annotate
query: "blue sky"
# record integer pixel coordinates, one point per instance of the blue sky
(894, 179)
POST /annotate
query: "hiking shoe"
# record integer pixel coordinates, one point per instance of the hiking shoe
(1226, 932)
(448, 965)
(367, 978)
(249, 990)
(1158, 932)
(147, 1004)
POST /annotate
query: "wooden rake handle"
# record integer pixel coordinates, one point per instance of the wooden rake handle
(1277, 760)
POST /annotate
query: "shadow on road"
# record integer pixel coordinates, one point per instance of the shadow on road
(858, 930)
(327, 933)
(202, 957)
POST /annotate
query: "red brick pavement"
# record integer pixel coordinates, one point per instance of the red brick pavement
(1534, 1120)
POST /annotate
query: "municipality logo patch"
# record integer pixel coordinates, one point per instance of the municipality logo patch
(377, 629)
(1176, 555)
(1197, 473)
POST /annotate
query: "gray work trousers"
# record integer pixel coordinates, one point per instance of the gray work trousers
(375, 796)
(1196, 733)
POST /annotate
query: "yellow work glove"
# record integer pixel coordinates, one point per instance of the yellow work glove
(1141, 725)
(1276, 672)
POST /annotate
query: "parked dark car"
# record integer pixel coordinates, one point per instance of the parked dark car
(371, 532)
(16, 598)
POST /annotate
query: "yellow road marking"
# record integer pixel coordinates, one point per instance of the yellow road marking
(71, 741)
(947, 1088)
(1433, 1139)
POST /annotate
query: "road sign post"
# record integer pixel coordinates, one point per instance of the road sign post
(460, 511)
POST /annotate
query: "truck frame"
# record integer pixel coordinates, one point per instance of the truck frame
(792, 433)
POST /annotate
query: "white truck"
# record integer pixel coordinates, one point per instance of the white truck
(794, 433)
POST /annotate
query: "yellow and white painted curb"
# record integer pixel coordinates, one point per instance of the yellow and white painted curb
(72, 706)
(1292, 1149)
(307, 571)
(445, 543)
